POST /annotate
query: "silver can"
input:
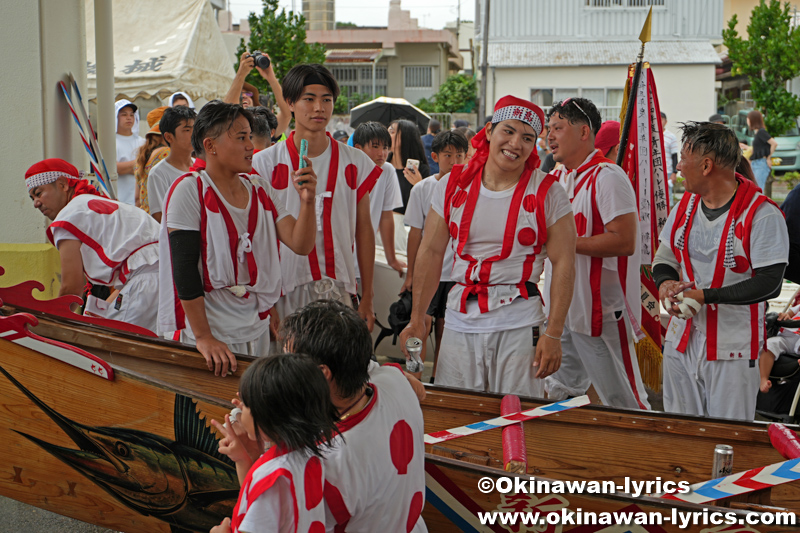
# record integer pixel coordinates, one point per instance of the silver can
(723, 461)
(414, 362)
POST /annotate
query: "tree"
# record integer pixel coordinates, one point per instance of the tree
(769, 59)
(456, 95)
(282, 36)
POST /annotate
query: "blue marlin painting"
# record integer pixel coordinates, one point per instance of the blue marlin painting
(184, 482)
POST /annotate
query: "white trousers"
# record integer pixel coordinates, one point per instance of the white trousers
(137, 302)
(499, 362)
(258, 347)
(303, 295)
(608, 362)
(693, 385)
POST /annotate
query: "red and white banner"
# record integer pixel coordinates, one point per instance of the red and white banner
(645, 165)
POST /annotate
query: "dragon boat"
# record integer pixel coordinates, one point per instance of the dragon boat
(108, 424)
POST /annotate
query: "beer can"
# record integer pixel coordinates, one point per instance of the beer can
(414, 362)
(723, 461)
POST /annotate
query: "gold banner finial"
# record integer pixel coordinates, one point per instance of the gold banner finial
(645, 35)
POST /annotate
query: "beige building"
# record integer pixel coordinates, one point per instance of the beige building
(406, 61)
(320, 14)
(549, 50)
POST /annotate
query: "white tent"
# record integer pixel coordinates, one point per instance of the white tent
(161, 47)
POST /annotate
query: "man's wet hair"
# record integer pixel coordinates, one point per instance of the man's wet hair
(290, 402)
(172, 118)
(454, 138)
(307, 74)
(264, 121)
(706, 138)
(369, 132)
(578, 111)
(214, 119)
(333, 335)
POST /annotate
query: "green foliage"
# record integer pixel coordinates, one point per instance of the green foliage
(426, 105)
(282, 36)
(344, 103)
(346, 25)
(769, 59)
(456, 95)
(790, 179)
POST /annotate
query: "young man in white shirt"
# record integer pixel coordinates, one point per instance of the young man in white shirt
(598, 339)
(503, 216)
(128, 144)
(345, 177)
(723, 252)
(449, 148)
(176, 127)
(373, 139)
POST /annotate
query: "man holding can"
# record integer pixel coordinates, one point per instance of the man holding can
(724, 250)
(503, 217)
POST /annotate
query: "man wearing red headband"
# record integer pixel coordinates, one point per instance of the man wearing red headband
(100, 240)
(502, 217)
(605, 311)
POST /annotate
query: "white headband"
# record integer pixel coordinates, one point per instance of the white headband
(43, 178)
(518, 112)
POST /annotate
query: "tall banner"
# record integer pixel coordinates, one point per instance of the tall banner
(645, 165)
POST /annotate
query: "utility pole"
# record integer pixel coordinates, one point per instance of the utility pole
(484, 61)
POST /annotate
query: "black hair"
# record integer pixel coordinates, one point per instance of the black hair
(264, 121)
(335, 336)
(578, 110)
(663, 115)
(214, 119)
(454, 138)
(290, 402)
(368, 132)
(301, 75)
(468, 133)
(172, 118)
(410, 144)
(434, 125)
(710, 138)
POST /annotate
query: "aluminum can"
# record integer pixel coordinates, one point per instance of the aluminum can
(414, 362)
(723, 461)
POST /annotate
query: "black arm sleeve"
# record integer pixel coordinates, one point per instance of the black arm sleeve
(185, 251)
(663, 272)
(674, 162)
(765, 284)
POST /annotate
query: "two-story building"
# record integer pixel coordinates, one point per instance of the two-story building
(548, 50)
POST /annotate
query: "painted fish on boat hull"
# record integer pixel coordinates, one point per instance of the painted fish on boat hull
(185, 483)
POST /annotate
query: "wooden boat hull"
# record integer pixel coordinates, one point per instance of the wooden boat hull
(590, 443)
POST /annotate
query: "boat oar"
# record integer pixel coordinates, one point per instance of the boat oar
(503, 421)
(515, 453)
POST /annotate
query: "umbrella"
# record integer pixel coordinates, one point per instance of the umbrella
(387, 110)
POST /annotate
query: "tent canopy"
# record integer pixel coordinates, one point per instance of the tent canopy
(163, 47)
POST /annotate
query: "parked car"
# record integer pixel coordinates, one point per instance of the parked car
(787, 155)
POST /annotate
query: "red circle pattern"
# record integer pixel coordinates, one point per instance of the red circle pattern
(529, 203)
(317, 527)
(742, 265)
(210, 199)
(415, 509)
(526, 237)
(351, 176)
(102, 207)
(453, 230)
(459, 198)
(580, 224)
(401, 446)
(312, 481)
(280, 177)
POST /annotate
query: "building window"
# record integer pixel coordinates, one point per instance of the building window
(358, 79)
(607, 100)
(624, 3)
(419, 77)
